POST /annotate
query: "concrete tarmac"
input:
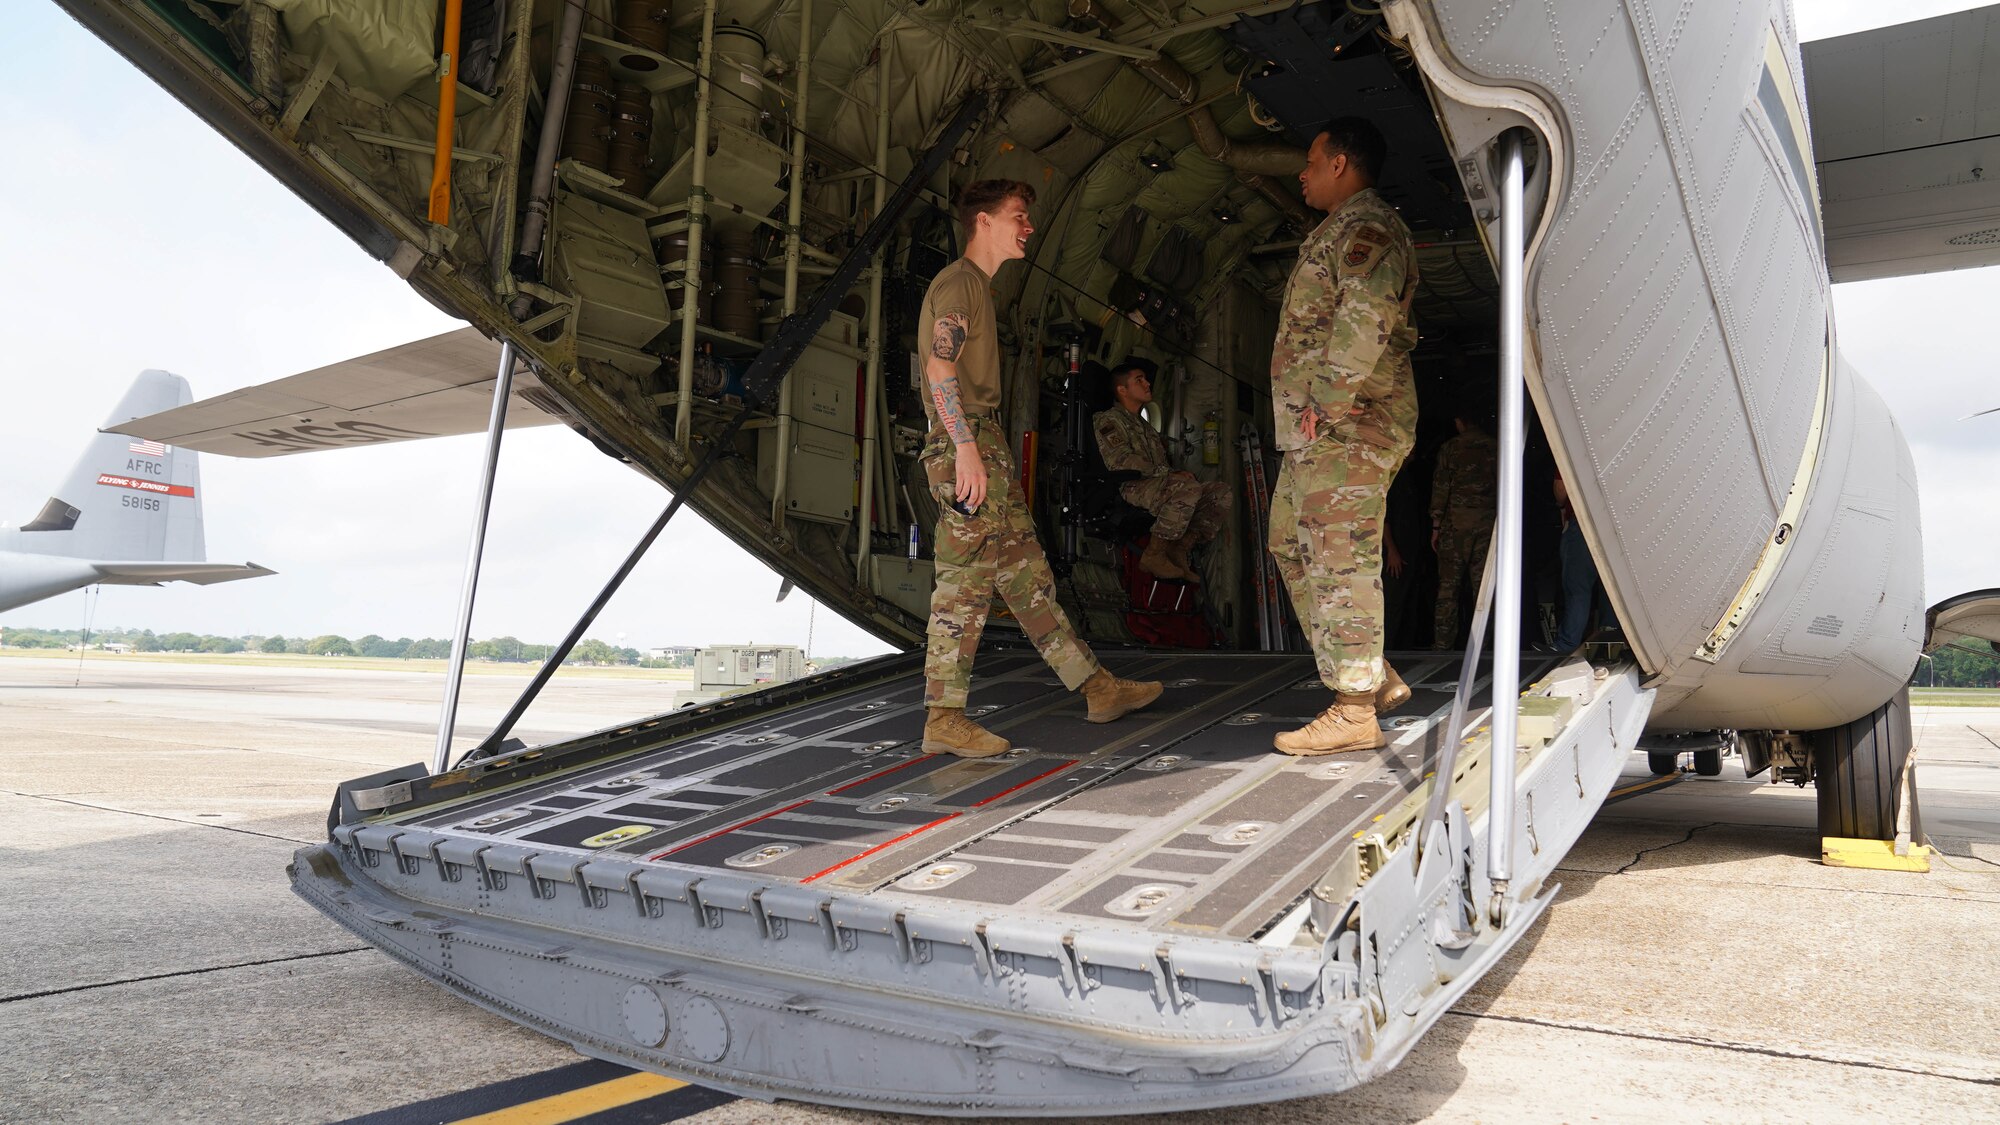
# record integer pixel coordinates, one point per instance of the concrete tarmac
(1699, 964)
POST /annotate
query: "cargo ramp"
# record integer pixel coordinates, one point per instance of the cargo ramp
(781, 896)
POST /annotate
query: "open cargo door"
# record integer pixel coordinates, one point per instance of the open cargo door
(1970, 617)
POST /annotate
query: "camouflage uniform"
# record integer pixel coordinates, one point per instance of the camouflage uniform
(993, 549)
(1342, 357)
(1464, 496)
(1181, 507)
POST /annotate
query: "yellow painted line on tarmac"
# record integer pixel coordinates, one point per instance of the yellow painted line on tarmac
(569, 1106)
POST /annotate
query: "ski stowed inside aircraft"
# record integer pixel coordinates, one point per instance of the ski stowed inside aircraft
(782, 897)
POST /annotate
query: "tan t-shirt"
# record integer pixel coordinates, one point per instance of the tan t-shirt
(962, 287)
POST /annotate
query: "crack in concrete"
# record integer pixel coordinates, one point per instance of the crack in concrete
(1644, 852)
(1984, 735)
(183, 973)
(157, 816)
(1727, 1045)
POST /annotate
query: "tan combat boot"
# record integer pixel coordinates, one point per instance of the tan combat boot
(1347, 725)
(1158, 562)
(1177, 553)
(1111, 697)
(948, 731)
(1393, 693)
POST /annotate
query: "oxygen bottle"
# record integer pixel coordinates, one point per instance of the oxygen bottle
(1211, 440)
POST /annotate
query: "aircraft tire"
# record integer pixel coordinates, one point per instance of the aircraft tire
(1663, 762)
(1708, 763)
(1858, 770)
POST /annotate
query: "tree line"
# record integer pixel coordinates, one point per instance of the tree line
(506, 650)
(1951, 666)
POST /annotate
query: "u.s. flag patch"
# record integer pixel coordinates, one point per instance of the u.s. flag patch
(149, 448)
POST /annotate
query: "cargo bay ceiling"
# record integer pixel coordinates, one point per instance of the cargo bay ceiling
(1163, 143)
(1213, 91)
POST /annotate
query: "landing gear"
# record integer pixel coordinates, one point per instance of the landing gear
(1663, 751)
(1858, 769)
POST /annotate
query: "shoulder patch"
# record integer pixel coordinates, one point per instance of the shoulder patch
(1371, 233)
(1358, 253)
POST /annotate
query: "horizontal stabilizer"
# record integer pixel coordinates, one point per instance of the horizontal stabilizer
(1973, 616)
(156, 573)
(1906, 135)
(426, 388)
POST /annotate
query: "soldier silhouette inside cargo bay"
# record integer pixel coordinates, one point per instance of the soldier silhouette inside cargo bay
(1187, 512)
(1346, 415)
(1464, 497)
(985, 535)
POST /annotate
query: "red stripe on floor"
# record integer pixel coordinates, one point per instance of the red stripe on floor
(728, 830)
(878, 847)
(1024, 785)
(881, 773)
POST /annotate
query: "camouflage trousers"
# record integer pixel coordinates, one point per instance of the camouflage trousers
(1461, 552)
(1182, 508)
(1326, 535)
(992, 551)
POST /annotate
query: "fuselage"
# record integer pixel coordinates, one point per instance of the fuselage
(30, 578)
(1750, 503)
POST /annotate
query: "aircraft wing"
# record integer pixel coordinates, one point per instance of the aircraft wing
(155, 573)
(1906, 138)
(426, 388)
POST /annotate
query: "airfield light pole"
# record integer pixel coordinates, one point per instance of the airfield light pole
(1507, 567)
(503, 386)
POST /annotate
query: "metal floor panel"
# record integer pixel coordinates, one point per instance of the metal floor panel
(1179, 818)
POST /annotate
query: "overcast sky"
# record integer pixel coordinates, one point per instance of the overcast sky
(135, 237)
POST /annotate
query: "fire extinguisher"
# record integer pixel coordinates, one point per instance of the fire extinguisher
(1211, 440)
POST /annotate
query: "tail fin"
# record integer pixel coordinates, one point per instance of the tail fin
(127, 499)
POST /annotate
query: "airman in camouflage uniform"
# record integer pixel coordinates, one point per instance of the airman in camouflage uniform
(994, 550)
(1346, 414)
(1187, 512)
(985, 537)
(1464, 497)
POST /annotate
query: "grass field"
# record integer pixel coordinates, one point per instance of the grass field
(360, 663)
(1922, 697)
(1955, 697)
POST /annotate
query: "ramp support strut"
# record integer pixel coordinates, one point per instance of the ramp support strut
(1500, 582)
(503, 384)
(1507, 527)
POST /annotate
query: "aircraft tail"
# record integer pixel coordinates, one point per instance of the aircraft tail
(128, 499)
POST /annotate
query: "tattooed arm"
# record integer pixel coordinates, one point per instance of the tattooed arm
(941, 378)
(941, 374)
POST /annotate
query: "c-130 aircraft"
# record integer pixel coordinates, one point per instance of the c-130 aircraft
(1621, 205)
(128, 514)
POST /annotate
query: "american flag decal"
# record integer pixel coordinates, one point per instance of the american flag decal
(149, 448)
